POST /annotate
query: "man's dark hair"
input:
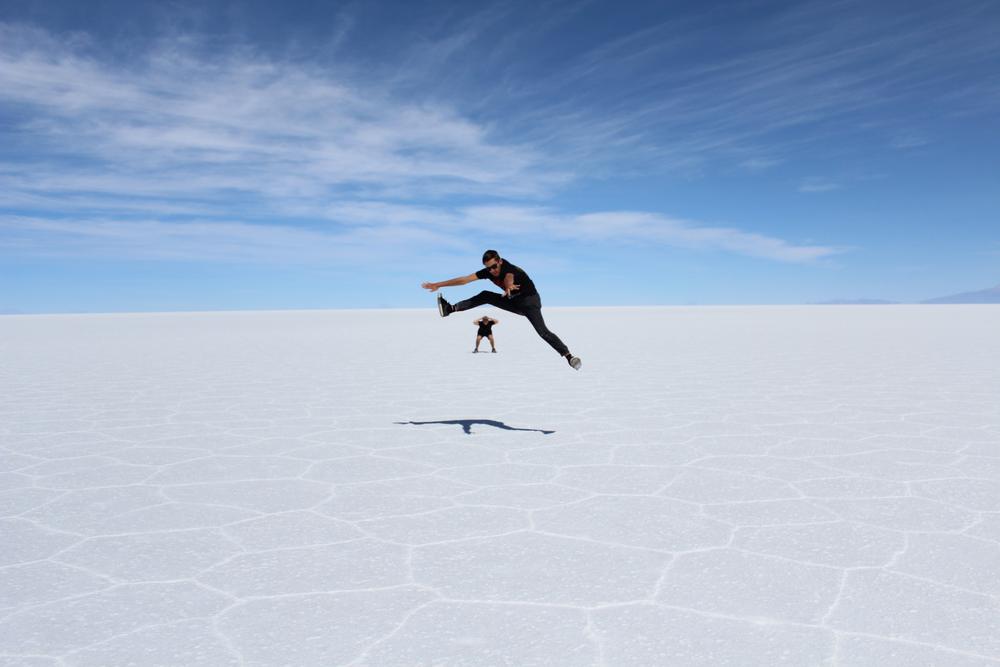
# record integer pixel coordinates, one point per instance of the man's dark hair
(490, 254)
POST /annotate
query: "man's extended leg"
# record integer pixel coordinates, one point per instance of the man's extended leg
(478, 338)
(488, 298)
(534, 314)
(493, 344)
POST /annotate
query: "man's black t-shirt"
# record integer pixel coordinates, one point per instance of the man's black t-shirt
(486, 326)
(520, 278)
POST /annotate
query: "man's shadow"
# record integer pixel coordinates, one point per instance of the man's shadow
(466, 425)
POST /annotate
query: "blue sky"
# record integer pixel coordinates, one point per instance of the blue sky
(258, 155)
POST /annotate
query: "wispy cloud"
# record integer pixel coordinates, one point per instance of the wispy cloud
(758, 164)
(173, 124)
(818, 185)
(379, 232)
(703, 88)
(216, 241)
(906, 141)
(246, 158)
(635, 227)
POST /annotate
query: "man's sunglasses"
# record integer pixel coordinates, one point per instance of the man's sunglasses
(495, 265)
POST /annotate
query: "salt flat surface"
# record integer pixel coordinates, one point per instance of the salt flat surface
(740, 486)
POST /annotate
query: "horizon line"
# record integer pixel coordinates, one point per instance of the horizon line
(431, 310)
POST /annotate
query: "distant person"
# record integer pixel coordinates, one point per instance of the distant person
(486, 324)
(519, 297)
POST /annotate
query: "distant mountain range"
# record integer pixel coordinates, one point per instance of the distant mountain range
(991, 295)
(855, 302)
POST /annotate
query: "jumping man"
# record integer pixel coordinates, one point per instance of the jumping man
(520, 297)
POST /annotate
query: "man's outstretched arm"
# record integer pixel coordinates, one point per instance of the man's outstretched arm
(454, 282)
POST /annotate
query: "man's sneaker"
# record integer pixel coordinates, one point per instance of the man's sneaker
(493, 351)
(444, 307)
(574, 361)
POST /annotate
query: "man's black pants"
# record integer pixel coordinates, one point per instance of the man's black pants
(529, 306)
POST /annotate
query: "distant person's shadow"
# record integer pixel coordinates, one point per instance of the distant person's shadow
(466, 425)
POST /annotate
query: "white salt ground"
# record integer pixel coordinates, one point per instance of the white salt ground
(741, 486)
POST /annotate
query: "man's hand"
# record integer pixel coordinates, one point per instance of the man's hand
(430, 286)
(508, 285)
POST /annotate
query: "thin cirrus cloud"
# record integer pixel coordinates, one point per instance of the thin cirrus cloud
(176, 157)
(603, 228)
(686, 92)
(818, 185)
(239, 123)
(373, 232)
(631, 227)
(215, 241)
